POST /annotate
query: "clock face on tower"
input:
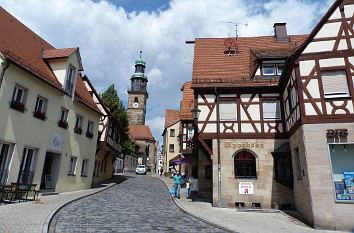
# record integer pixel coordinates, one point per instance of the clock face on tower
(135, 104)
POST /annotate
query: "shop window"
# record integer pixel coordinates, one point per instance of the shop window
(342, 160)
(228, 110)
(245, 165)
(208, 172)
(335, 84)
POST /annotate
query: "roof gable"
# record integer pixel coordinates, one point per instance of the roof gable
(171, 117)
(187, 103)
(140, 132)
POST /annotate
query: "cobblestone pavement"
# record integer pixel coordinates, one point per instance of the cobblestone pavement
(139, 204)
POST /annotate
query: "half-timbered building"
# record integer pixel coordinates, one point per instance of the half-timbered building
(277, 118)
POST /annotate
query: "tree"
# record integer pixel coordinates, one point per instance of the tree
(111, 99)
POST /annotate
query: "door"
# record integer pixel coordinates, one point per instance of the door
(5, 158)
(47, 169)
(27, 166)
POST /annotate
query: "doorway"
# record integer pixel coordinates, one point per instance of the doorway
(50, 171)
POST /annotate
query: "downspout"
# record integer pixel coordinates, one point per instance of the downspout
(218, 146)
(5, 64)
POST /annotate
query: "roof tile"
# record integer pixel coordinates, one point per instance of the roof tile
(171, 117)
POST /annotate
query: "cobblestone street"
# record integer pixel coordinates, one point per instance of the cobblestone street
(138, 204)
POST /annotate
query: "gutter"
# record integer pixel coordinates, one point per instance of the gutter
(5, 65)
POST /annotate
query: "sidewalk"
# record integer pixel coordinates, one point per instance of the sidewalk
(236, 221)
(29, 217)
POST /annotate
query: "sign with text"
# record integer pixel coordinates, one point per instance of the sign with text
(245, 188)
(336, 132)
(243, 145)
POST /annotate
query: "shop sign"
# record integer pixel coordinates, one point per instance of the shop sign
(243, 145)
(336, 132)
(56, 142)
(245, 188)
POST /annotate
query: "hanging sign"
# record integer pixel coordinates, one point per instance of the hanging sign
(245, 188)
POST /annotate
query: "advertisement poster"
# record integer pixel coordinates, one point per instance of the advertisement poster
(349, 182)
(245, 188)
(345, 188)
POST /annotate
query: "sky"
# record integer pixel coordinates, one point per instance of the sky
(111, 33)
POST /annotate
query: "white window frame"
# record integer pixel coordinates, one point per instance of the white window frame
(23, 96)
(72, 165)
(275, 65)
(70, 80)
(328, 94)
(225, 104)
(90, 125)
(78, 122)
(44, 104)
(267, 101)
(66, 114)
(84, 167)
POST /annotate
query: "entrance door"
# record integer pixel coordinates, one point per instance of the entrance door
(47, 169)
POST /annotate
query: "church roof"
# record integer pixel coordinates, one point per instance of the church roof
(140, 132)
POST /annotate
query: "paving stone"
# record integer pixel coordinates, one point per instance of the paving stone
(139, 204)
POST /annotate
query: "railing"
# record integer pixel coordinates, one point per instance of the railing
(25, 177)
(3, 176)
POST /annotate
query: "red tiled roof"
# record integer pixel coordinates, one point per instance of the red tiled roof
(171, 117)
(140, 132)
(187, 103)
(57, 53)
(24, 47)
(212, 66)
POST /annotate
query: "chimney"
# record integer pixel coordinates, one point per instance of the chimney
(280, 32)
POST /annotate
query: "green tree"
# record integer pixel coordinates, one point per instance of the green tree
(111, 99)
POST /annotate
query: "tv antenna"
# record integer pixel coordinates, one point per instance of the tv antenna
(228, 42)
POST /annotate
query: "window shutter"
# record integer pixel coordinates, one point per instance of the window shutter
(228, 110)
(271, 109)
(335, 83)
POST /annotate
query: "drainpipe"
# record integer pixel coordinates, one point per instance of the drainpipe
(5, 64)
(218, 146)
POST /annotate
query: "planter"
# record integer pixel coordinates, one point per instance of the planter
(39, 115)
(63, 124)
(78, 130)
(18, 106)
(89, 135)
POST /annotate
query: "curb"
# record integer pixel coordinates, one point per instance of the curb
(194, 215)
(48, 220)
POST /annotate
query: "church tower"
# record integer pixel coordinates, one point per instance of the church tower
(137, 94)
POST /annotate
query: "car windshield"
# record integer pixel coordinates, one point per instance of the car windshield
(141, 166)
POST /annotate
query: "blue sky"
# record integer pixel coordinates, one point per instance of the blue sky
(141, 5)
(109, 36)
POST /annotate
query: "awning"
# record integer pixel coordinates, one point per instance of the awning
(179, 159)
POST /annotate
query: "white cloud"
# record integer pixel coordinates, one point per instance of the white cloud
(156, 124)
(109, 38)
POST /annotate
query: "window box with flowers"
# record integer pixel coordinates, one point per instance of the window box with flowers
(17, 105)
(89, 134)
(39, 115)
(78, 130)
(63, 124)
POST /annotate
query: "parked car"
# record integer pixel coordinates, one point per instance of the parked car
(140, 169)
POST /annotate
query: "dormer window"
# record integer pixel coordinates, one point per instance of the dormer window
(272, 68)
(69, 84)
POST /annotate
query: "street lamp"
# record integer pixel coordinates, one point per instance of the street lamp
(196, 112)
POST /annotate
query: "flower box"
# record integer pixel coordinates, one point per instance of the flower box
(89, 134)
(63, 124)
(78, 130)
(39, 115)
(17, 105)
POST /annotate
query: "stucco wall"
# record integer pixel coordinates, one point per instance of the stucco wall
(25, 130)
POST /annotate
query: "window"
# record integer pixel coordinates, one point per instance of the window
(5, 158)
(19, 98)
(227, 110)
(63, 119)
(272, 68)
(283, 169)
(84, 167)
(27, 166)
(172, 132)
(335, 84)
(271, 110)
(290, 104)
(78, 124)
(172, 148)
(72, 166)
(208, 172)
(40, 108)
(245, 165)
(89, 132)
(298, 164)
(69, 86)
(342, 162)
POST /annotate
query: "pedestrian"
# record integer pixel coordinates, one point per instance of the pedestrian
(193, 188)
(177, 181)
(187, 188)
(161, 172)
